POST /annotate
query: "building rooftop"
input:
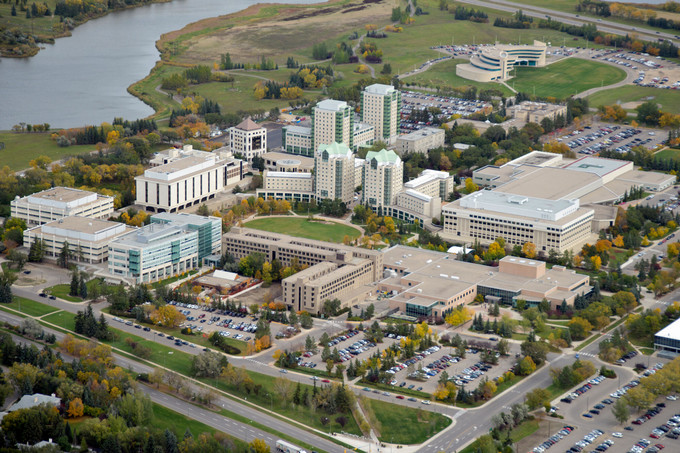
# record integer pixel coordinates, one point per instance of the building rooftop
(424, 132)
(520, 205)
(383, 157)
(331, 104)
(248, 125)
(28, 401)
(537, 158)
(426, 177)
(670, 331)
(302, 130)
(379, 88)
(597, 165)
(82, 228)
(418, 195)
(65, 194)
(289, 174)
(151, 233)
(554, 183)
(183, 218)
(361, 127)
(336, 149)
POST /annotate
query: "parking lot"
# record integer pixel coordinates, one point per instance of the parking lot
(448, 105)
(596, 429)
(420, 372)
(592, 139)
(655, 72)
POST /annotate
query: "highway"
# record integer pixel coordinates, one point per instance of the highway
(603, 25)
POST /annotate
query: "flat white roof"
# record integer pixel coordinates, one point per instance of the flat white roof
(421, 133)
(598, 165)
(379, 88)
(418, 195)
(331, 104)
(532, 207)
(289, 174)
(302, 130)
(426, 177)
(670, 331)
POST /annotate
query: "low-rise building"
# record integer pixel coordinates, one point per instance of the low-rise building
(248, 139)
(535, 112)
(428, 283)
(189, 177)
(59, 202)
(88, 239)
(297, 140)
(335, 270)
(170, 245)
(287, 186)
(494, 63)
(420, 141)
(432, 183)
(668, 339)
(285, 162)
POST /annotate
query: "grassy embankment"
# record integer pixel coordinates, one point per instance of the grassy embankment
(21, 148)
(668, 100)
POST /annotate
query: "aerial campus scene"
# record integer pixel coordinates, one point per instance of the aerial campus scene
(357, 225)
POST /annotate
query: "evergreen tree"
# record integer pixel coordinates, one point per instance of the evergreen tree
(14, 10)
(75, 285)
(82, 290)
(170, 442)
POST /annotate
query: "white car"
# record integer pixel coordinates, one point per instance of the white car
(618, 435)
(671, 398)
(426, 402)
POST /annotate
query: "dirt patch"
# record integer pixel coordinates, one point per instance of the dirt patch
(248, 35)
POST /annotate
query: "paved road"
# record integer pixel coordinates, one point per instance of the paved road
(240, 430)
(574, 19)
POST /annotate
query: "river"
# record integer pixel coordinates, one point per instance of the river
(83, 79)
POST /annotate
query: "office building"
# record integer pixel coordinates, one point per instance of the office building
(59, 202)
(334, 172)
(428, 283)
(495, 63)
(286, 163)
(170, 245)
(382, 179)
(188, 177)
(248, 139)
(297, 140)
(334, 270)
(420, 141)
(535, 112)
(88, 239)
(668, 339)
(568, 211)
(432, 183)
(332, 122)
(381, 108)
(291, 186)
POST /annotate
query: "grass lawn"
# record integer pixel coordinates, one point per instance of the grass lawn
(444, 75)
(61, 291)
(391, 419)
(64, 319)
(29, 307)
(565, 78)
(20, 149)
(669, 100)
(301, 227)
(668, 153)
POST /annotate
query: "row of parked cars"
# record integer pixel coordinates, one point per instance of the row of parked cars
(578, 392)
(627, 356)
(342, 338)
(355, 349)
(552, 440)
(587, 440)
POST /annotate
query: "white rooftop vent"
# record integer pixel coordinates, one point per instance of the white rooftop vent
(444, 275)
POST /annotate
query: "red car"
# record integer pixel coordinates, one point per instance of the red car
(325, 381)
(659, 446)
(401, 397)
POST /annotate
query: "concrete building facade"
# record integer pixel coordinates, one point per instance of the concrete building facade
(297, 140)
(189, 178)
(332, 122)
(535, 112)
(248, 139)
(382, 178)
(88, 239)
(334, 172)
(381, 108)
(59, 202)
(169, 246)
(420, 141)
(494, 63)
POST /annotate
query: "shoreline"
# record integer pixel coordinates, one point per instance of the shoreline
(33, 50)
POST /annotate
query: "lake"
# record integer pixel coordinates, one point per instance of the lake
(83, 79)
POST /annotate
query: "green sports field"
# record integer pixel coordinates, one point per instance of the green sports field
(444, 75)
(565, 78)
(301, 227)
(669, 100)
(20, 148)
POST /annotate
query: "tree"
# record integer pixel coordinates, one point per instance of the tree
(579, 328)
(73, 290)
(64, 257)
(258, 446)
(17, 258)
(529, 249)
(167, 316)
(37, 251)
(470, 186)
(7, 279)
(76, 408)
(648, 113)
(208, 364)
(621, 412)
(537, 397)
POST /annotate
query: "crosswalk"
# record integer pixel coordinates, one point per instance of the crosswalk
(587, 354)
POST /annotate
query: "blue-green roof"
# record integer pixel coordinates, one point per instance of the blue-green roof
(335, 149)
(383, 156)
